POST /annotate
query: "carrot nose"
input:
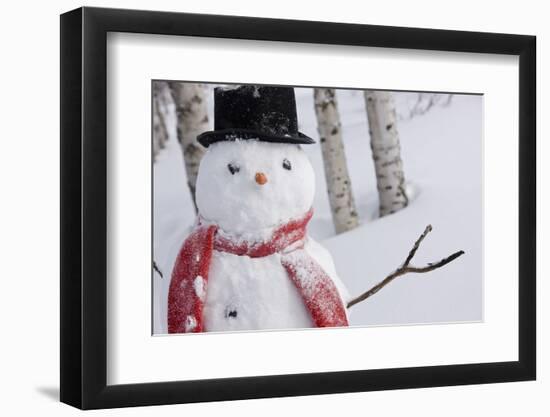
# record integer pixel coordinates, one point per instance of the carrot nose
(260, 178)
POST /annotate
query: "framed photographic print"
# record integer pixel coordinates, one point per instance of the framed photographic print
(257, 208)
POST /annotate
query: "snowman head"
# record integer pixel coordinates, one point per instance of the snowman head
(254, 175)
(245, 186)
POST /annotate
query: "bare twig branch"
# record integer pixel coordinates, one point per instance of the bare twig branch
(412, 252)
(406, 268)
(156, 268)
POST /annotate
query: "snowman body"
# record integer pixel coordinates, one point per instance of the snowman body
(247, 189)
(252, 293)
(256, 293)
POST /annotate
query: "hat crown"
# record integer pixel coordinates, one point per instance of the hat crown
(270, 110)
(265, 113)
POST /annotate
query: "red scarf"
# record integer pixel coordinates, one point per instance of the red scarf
(190, 274)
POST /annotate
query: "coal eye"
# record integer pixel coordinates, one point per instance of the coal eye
(233, 168)
(286, 164)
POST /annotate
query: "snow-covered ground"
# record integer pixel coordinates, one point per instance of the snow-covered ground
(442, 157)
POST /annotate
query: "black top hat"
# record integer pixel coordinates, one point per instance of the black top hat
(255, 112)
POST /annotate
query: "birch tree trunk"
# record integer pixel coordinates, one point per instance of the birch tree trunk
(386, 151)
(160, 130)
(344, 214)
(192, 115)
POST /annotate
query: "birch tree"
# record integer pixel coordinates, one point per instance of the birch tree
(160, 129)
(344, 214)
(386, 151)
(192, 119)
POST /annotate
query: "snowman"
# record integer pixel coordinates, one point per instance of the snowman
(248, 263)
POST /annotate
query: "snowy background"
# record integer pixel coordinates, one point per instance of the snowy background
(442, 158)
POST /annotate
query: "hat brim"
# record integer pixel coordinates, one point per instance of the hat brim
(213, 136)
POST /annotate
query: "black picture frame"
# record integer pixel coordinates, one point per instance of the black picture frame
(84, 207)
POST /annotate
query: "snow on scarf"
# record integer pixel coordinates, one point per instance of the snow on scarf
(189, 282)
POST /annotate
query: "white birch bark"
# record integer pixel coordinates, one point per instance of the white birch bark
(344, 214)
(386, 151)
(160, 130)
(192, 120)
